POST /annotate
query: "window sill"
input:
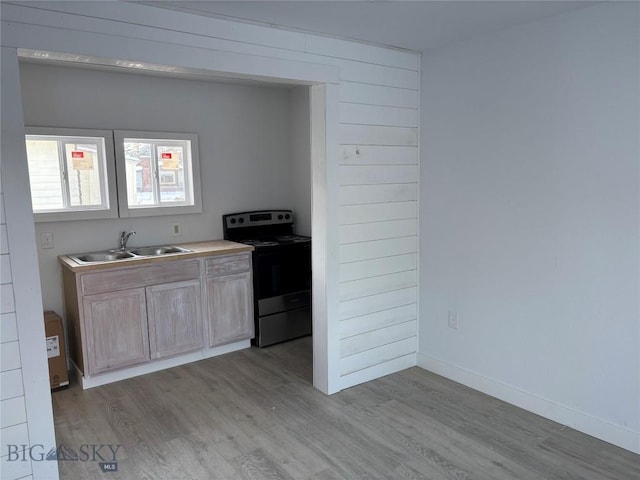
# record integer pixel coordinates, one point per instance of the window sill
(75, 215)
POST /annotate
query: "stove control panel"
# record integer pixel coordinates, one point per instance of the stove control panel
(258, 219)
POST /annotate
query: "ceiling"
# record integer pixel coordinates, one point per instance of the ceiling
(413, 25)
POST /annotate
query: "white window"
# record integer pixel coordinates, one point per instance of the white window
(158, 173)
(72, 173)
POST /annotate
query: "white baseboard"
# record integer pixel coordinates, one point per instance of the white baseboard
(609, 432)
(157, 365)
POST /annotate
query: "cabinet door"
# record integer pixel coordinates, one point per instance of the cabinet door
(230, 308)
(175, 318)
(117, 333)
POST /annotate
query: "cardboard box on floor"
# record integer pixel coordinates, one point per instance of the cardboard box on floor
(58, 376)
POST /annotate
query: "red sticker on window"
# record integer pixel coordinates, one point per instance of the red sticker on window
(77, 154)
(166, 156)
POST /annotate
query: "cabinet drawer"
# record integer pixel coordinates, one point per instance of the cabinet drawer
(121, 279)
(228, 264)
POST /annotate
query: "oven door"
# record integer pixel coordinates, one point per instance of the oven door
(282, 270)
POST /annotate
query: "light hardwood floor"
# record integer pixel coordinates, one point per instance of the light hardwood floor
(254, 414)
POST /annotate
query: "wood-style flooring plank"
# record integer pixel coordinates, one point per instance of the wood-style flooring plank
(258, 465)
(591, 456)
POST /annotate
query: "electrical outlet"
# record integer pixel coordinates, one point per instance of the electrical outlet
(452, 319)
(46, 240)
(176, 229)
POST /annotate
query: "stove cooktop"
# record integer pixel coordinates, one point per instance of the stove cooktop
(263, 229)
(275, 241)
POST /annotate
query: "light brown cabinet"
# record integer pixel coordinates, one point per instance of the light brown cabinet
(230, 307)
(116, 328)
(175, 318)
(125, 316)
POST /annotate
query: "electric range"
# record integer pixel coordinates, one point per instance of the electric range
(281, 273)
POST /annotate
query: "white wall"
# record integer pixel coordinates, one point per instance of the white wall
(300, 158)
(243, 135)
(529, 218)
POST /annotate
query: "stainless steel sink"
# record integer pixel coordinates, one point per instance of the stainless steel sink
(115, 255)
(101, 257)
(155, 251)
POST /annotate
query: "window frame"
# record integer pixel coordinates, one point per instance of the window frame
(107, 177)
(192, 177)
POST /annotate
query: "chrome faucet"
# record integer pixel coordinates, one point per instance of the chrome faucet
(124, 238)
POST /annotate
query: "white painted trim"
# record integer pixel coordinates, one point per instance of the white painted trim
(324, 111)
(332, 360)
(157, 365)
(24, 265)
(609, 432)
(318, 233)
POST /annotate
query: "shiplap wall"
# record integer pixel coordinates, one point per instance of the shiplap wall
(378, 137)
(378, 227)
(13, 414)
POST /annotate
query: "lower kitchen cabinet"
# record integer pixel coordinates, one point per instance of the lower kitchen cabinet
(117, 334)
(175, 318)
(230, 308)
(130, 315)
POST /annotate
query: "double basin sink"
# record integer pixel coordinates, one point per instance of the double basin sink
(115, 255)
